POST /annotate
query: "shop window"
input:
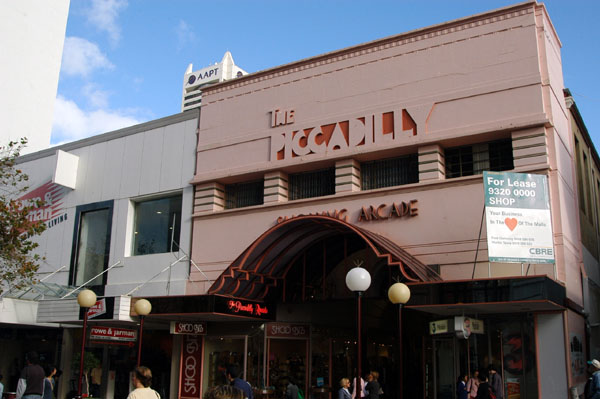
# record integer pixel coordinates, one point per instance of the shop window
(390, 172)
(474, 159)
(580, 182)
(157, 225)
(91, 243)
(311, 184)
(219, 352)
(244, 194)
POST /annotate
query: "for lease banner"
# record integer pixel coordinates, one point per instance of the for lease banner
(519, 228)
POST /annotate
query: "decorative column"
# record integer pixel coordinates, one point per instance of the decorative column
(347, 176)
(209, 197)
(276, 187)
(432, 165)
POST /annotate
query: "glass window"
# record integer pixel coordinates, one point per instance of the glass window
(311, 184)
(474, 159)
(244, 194)
(390, 172)
(157, 225)
(218, 353)
(91, 243)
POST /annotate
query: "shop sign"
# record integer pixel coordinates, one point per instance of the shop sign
(203, 76)
(189, 369)
(369, 213)
(52, 196)
(386, 128)
(438, 327)
(513, 388)
(188, 327)
(240, 307)
(476, 326)
(462, 326)
(113, 334)
(103, 309)
(518, 221)
(286, 330)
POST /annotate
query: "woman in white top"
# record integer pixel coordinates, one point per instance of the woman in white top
(142, 377)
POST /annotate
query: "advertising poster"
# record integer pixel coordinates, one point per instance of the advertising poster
(519, 227)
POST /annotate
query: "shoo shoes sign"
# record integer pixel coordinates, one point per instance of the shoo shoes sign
(517, 208)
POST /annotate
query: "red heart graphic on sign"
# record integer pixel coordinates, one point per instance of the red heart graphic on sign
(511, 223)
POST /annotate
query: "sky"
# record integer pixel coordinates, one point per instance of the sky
(124, 60)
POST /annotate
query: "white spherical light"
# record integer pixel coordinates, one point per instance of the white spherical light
(142, 307)
(358, 279)
(399, 293)
(86, 298)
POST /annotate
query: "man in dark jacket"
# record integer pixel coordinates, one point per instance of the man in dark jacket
(233, 373)
(31, 382)
(496, 382)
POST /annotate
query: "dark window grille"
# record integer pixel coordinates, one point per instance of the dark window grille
(474, 159)
(241, 195)
(311, 184)
(390, 172)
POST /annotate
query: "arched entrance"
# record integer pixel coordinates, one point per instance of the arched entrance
(300, 264)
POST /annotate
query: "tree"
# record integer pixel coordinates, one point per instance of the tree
(18, 263)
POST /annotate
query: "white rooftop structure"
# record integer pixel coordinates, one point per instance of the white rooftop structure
(194, 81)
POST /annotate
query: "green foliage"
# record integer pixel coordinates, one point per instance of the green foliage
(90, 361)
(18, 265)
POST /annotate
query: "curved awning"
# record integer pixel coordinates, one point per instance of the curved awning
(265, 263)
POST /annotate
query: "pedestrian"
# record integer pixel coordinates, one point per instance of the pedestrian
(233, 375)
(344, 392)
(496, 382)
(291, 391)
(31, 381)
(484, 389)
(594, 391)
(373, 388)
(461, 387)
(224, 392)
(473, 384)
(1, 386)
(49, 372)
(363, 393)
(142, 378)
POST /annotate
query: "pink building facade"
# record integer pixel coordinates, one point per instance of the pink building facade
(373, 155)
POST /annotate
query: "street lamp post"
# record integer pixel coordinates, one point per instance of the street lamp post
(399, 294)
(86, 299)
(142, 307)
(358, 280)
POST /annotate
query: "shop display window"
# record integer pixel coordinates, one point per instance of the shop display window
(218, 353)
(287, 359)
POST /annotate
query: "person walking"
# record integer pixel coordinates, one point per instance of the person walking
(344, 392)
(291, 391)
(473, 384)
(496, 383)
(595, 383)
(461, 387)
(31, 381)
(484, 389)
(49, 371)
(373, 388)
(142, 378)
(363, 392)
(233, 375)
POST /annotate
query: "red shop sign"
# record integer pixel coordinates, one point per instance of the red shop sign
(287, 330)
(188, 327)
(189, 368)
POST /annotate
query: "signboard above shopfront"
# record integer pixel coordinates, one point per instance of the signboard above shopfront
(287, 330)
(113, 334)
(188, 327)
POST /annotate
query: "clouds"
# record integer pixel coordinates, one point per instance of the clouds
(81, 57)
(185, 35)
(73, 123)
(103, 15)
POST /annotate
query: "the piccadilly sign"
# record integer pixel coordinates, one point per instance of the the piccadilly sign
(362, 131)
(368, 213)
